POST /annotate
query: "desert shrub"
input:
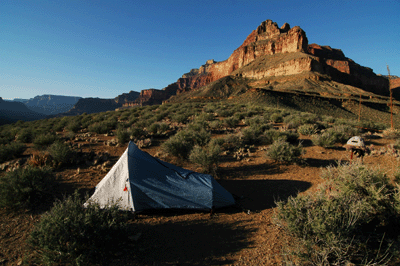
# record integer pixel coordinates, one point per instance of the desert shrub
(74, 126)
(283, 151)
(39, 159)
(287, 135)
(111, 123)
(160, 116)
(158, 128)
(328, 119)
(181, 144)
(180, 118)
(72, 234)
(153, 128)
(370, 125)
(343, 132)
(225, 112)
(11, 151)
(61, 154)
(206, 157)
(42, 141)
(215, 125)
(70, 135)
(232, 142)
(276, 118)
(210, 108)
(26, 187)
(57, 127)
(254, 134)
(163, 128)
(204, 117)
(308, 129)
(254, 121)
(326, 139)
(25, 135)
(6, 135)
(137, 132)
(352, 219)
(390, 133)
(240, 115)
(268, 136)
(133, 120)
(98, 127)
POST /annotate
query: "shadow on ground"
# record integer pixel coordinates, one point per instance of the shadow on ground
(258, 195)
(312, 162)
(250, 170)
(194, 242)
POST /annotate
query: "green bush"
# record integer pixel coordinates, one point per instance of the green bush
(11, 151)
(180, 118)
(283, 151)
(26, 188)
(98, 127)
(71, 234)
(137, 132)
(352, 219)
(276, 118)
(390, 133)
(6, 136)
(181, 144)
(254, 134)
(61, 153)
(123, 135)
(215, 125)
(254, 121)
(231, 142)
(25, 135)
(308, 129)
(207, 157)
(43, 141)
(343, 132)
(74, 126)
(326, 139)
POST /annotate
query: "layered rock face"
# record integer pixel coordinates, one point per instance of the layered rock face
(52, 104)
(270, 52)
(93, 105)
(127, 97)
(267, 39)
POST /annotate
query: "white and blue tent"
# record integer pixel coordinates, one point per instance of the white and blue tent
(139, 181)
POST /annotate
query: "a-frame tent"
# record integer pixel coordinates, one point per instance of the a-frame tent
(139, 181)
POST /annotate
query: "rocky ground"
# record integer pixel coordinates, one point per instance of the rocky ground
(242, 235)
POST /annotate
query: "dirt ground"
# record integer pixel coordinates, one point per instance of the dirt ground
(243, 235)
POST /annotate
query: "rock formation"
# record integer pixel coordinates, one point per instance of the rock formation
(93, 105)
(272, 54)
(127, 97)
(51, 104)
(13, 111)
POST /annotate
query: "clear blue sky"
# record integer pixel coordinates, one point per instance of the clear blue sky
(105, 48)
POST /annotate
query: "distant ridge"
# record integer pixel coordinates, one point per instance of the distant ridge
(13, 111)
(51, 104)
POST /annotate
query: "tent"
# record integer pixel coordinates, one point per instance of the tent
(139, 182)
(356, 142)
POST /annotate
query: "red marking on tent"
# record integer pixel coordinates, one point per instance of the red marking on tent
(125, 189)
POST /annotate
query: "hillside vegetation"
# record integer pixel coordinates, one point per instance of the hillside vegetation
(267, 156)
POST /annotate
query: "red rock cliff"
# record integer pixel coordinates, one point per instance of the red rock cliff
(269, 40)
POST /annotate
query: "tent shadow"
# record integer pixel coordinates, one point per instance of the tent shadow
(258, 195)
(190, 242)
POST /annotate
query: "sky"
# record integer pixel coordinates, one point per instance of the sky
(105, 48)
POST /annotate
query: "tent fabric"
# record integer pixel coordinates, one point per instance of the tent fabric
(356, 141)
(139, 181)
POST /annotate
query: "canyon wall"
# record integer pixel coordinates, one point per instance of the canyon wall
(269, 41)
